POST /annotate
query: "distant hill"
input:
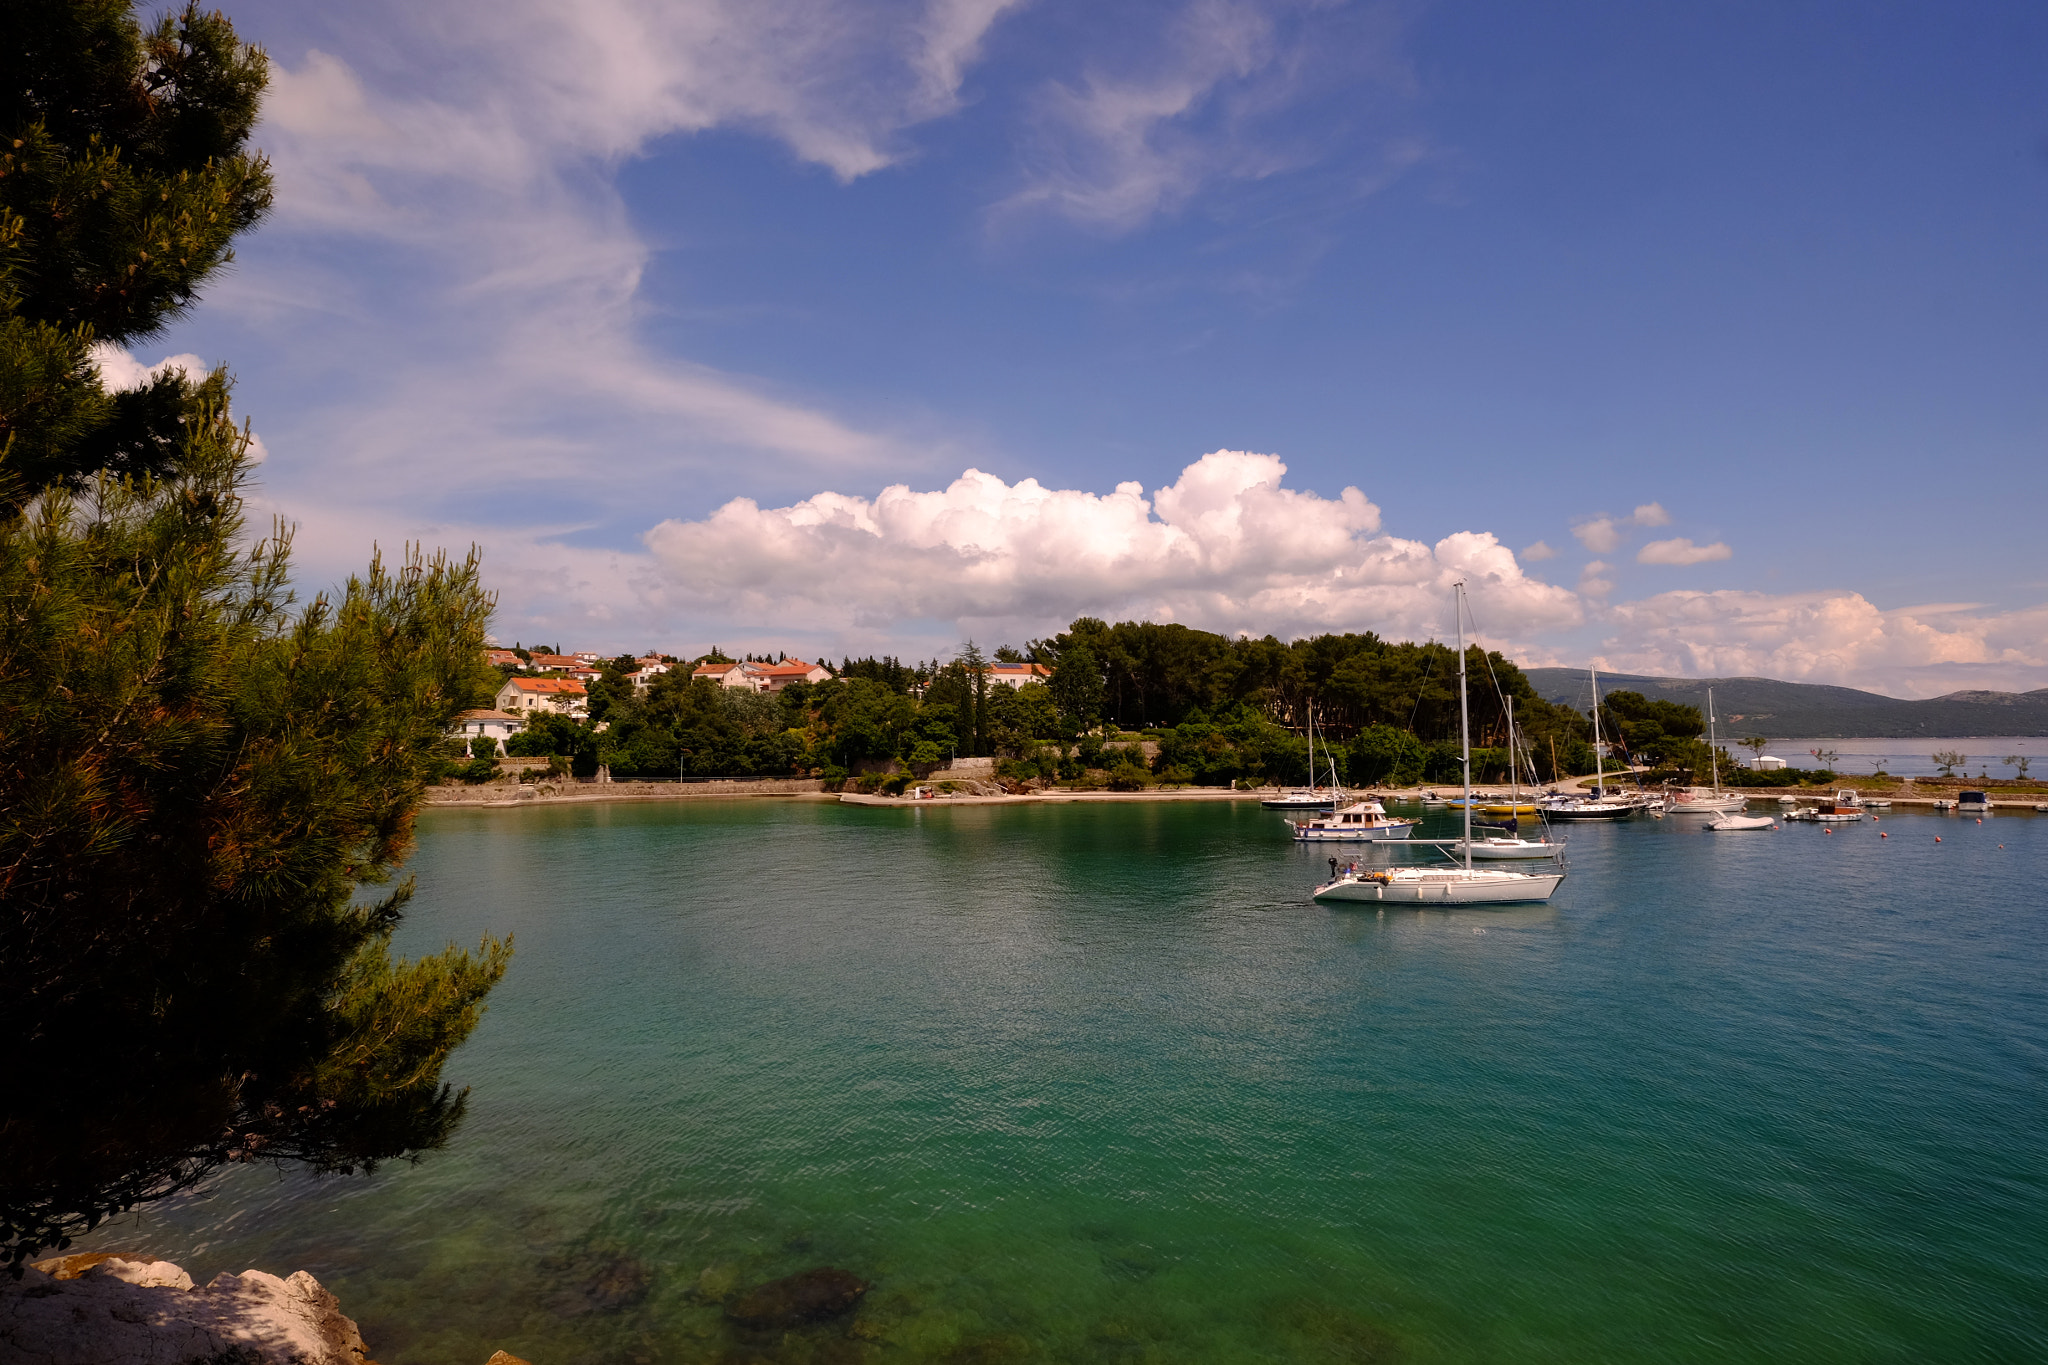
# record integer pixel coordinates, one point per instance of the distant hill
(1787, 710)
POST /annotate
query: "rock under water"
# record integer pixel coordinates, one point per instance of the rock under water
(809, 1296)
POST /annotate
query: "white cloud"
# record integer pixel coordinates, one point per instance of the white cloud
(1830, 637)
(120, 370)
(1538, 552)
(1113, 148)
(1679, 550)
(1603, 534)
(1225, 547)
(1651, 514)
(1598, 535)
(1592, 580)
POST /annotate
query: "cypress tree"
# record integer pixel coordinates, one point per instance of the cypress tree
(198, 773)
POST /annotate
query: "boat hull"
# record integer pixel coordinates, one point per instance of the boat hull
(1355, 834)
(1591, 812)
(1729, 824)
(1450, 887)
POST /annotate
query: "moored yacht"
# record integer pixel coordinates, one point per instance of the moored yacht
(1440, 885)
(1364, 821)
(1844, 807)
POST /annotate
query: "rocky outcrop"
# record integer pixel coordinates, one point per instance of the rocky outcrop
(810, 1296)
(135, 1310)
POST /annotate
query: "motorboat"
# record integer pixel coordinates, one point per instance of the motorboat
(1845, 807)
(1440, 885)
(1973, 803)
(1876, 804)
(1944, 805)
(1788, 800)
(1429, 798)
(1359, 822)
(1727, 822)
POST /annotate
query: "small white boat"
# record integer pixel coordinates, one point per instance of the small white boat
(1360, 822)
(1432, 799)
(2041, 809)
(1877, 804)
(1788, 800)
(1739, 822)
(1973, 803)
(1944, 804)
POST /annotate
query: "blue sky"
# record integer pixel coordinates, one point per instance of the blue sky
(1702, 339)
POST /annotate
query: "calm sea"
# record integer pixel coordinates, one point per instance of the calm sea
(1076, 1083)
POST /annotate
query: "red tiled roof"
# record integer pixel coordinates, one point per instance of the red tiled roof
(563, 685)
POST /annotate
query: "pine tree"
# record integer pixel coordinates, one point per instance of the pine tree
(197, 772)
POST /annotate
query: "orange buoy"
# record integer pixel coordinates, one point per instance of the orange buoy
(1937, 838)
(1883, 834)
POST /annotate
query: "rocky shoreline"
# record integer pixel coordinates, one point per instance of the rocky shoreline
(130, 1309)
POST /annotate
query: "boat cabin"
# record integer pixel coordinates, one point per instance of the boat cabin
(1972, 802)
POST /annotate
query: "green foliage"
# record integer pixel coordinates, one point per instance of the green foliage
(123, 180)
(1383, 755)
(1948, 760)
(199, 775)
(1657, 733)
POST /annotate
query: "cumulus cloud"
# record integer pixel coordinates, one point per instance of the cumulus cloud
(119, 370)
(1603, 534)
(1651, 514)
(1593, 581)
(1679, 550)
(1830, 637)
(1538, 552)
(1225, 547)
(1599, 535)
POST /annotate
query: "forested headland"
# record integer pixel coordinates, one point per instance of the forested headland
(1216, 710)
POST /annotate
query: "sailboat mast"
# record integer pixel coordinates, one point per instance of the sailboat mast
(1713, 756)
(1599, 768)
(1514, 767)
(1464, 724)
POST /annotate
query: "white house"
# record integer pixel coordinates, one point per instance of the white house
(523, 696)
(1016, 675)
(760, 677)
(486, 731)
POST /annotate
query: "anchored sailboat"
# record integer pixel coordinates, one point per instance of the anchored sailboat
(1454, 885)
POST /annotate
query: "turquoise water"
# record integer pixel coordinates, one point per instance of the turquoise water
(1099, 1083)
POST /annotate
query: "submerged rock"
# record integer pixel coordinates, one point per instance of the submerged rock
(810, 1296)
(122, 1310)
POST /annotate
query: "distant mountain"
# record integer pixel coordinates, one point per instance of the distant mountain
(1787, 710)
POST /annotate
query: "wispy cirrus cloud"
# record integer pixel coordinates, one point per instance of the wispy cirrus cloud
(1191, 108)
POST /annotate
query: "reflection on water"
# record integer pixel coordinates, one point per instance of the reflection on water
(1100, 1083)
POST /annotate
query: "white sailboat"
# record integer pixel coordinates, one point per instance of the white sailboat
(1511, 846)
(1453, 885)
(1310, 798)
(1700, 800)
